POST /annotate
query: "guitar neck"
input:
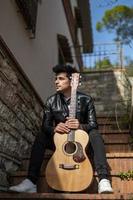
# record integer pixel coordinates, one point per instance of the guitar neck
(72, 113)
(72, 109)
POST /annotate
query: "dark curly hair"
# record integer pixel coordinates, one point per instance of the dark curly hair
(65, 68)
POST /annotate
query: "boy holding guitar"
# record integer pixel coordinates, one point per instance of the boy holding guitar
(57, 121)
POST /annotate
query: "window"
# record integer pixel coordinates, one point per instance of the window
(64, 52)
(78, 17)
(28, 8)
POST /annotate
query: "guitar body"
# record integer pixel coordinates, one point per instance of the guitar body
(69, 169)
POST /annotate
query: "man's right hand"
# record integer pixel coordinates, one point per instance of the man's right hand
(61, 128)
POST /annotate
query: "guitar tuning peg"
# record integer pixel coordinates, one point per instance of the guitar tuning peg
(80, 76)
(79, 83)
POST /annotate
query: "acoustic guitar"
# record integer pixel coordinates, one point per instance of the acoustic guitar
(69, 169)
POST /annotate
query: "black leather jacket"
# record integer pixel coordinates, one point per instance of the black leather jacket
(56, 110)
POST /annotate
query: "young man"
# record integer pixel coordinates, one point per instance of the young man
(56, 119)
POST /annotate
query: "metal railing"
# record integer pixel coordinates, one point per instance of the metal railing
(104, 56)
(131, 108)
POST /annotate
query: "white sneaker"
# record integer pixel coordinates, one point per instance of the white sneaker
(104, 186)
(25, 186)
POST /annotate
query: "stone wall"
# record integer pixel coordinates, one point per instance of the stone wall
(110, 90)
(21, 113)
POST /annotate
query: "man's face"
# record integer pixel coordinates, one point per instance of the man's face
(62, 82)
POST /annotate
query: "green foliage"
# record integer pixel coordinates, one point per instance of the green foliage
(126, 175)
(129, 71)
(99, 26)
(103, 64)
(129, 66)
(120, 20)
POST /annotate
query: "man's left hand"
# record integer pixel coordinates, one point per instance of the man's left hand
(72, 123)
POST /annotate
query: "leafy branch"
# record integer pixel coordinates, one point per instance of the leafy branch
(126, 175)
(119, 19)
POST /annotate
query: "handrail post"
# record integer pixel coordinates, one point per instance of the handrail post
(131, 112)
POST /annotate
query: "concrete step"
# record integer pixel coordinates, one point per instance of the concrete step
(111, 147)
(117, 162)
(119, 186)
(112, 123)
(122, 138)
(118, 121)
(110, 114)
(107, 121)
(114, 131)
(72, 196)
(113, 126)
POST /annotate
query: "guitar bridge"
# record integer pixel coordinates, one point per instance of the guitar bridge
(68, 166)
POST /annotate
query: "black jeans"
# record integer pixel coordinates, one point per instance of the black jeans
(44, 141)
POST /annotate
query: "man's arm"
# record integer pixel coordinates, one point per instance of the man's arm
(48, 121)
(91, 118)
(73, 123)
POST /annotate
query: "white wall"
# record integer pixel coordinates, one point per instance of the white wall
(36, 56)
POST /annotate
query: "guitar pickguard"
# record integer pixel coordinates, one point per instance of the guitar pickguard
(79, 155)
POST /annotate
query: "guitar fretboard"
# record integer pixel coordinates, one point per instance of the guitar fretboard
(72, 112)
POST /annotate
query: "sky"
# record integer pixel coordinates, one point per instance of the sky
(98, 8)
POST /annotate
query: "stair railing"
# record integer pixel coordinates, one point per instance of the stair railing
(131, 111)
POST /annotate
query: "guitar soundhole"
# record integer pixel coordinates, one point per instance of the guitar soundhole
(70, 147)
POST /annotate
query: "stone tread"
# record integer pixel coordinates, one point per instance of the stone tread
(78, 196)
(24, 174)
(126, 131)
(119, 155)
(110, 156)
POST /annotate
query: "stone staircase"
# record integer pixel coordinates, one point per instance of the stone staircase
(107, 89)
(120, 159)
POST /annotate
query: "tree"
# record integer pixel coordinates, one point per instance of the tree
(120, 20)
(103, 64)
(129, 66)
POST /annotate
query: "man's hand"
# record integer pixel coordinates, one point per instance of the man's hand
(72, 123)
(62, 128)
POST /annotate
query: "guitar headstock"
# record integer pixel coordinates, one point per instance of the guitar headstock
(75, 80)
